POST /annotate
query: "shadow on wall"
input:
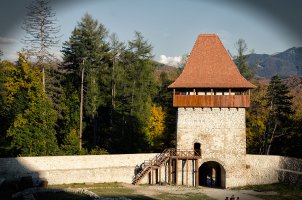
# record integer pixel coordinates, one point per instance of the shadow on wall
(19, 181)
(15, 177)
(290, 171)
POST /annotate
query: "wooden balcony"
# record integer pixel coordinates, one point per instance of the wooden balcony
(212, 101)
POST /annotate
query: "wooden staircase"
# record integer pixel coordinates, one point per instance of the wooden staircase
(156, 162)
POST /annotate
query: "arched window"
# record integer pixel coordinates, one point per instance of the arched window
(197, 150)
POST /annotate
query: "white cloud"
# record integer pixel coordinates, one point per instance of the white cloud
(173, 61)
(4, 40)
(58, 55)
(11, 57)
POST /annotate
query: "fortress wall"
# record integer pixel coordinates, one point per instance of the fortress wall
(266, 169)
(259, 169)
(75, 169)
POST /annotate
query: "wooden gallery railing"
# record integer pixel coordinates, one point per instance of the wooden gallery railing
(220, 101)
(168, 155)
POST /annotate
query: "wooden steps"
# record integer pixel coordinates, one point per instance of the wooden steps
(160, 160)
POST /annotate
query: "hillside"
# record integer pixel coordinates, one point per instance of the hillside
(171, 71)
(283, 63)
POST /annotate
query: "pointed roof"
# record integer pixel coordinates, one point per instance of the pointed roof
(210, 66)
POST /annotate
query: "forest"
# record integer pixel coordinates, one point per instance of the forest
(108, 96)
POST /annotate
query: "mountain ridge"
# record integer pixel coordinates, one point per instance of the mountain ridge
(283, 63)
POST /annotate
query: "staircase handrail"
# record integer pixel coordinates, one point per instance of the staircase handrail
(158, 160)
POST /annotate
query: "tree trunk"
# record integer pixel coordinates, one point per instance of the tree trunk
(112, 94)
(81, 108)
(271, 140)
(132, 97)
(43, 78)
(93, 110)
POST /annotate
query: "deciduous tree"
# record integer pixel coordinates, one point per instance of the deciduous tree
(30, 128)
(156, 128)
(1, 54)
(241, 60)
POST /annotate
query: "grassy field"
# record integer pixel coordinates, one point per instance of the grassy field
(146, 192)
(285, 192)
(115, 190)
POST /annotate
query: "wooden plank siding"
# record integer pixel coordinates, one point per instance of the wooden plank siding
(212, 101)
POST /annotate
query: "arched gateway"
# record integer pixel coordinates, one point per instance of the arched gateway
(212, 174)
(211, 97)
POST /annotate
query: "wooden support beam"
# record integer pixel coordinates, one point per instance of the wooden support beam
(176, 171)
(196, 173)
(159, 175)
(152, 176)
(187, 176)
(170, 171)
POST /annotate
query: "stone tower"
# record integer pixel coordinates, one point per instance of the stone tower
(211, 97)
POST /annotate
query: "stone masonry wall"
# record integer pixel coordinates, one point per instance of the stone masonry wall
(262, 169)
(259, 169)
(221, 133)
(75, 169)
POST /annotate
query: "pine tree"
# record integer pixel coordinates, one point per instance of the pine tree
(142, 86)
(182, 63)
(116, 54)
(256, 119)
(41, 33)
(241, 60)
(141, 74)
(134, 89)
(85, 58)
(279, 104)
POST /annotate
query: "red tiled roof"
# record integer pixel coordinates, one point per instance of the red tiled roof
(210, 66)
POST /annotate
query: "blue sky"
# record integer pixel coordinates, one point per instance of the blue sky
(171, 26)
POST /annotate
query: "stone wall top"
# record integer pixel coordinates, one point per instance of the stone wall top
(71, 162)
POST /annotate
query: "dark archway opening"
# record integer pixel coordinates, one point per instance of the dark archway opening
(212, 174)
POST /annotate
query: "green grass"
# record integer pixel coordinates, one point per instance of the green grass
(285, 192)
(60, 196)
(87, 185)
(120, 192)
(189, 196)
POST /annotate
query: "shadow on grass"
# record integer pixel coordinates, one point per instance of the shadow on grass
(64, 195)
(71, 196)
